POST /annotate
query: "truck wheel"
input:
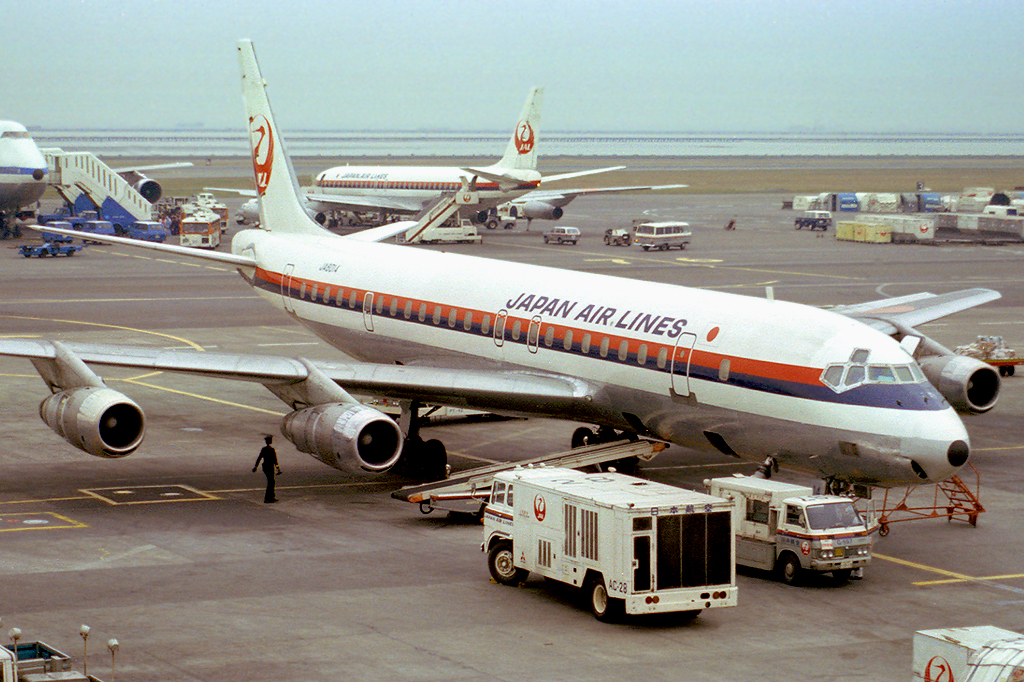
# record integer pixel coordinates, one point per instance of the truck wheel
(501, 563)
(788, 569)
(1010, 370)
(606, 609)
(797, 225)
(545, 240)
(492, 224)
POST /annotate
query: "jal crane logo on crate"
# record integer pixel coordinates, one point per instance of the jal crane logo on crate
(262, 151)
(540, 508)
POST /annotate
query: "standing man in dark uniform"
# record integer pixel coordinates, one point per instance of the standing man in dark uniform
(269, 458)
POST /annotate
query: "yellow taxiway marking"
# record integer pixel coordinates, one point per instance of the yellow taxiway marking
(617, 261)
(175, 262)
(951, 576)
(107, 326)
(197, 396)
(63, 522)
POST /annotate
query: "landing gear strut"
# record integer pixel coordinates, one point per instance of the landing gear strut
(769, 467)
(583, 436)
(420, 459)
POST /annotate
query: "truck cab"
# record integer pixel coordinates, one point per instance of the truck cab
(787, 528)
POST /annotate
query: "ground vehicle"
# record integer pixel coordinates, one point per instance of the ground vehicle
(994, 351)
(787, 528)
(148, 230)
(48, 249)
(814, 220)
(635, 546)
(618, 237)
(562, 235)
(201, 229)
(663, 235)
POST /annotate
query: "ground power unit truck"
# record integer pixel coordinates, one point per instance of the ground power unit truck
(787, 528)
(634, 546)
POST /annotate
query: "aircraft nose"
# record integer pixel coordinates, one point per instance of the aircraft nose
(958, 453)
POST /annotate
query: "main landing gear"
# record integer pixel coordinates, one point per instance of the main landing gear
(424, 459)
(583, 436)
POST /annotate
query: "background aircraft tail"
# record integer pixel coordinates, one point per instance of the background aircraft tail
(521, 153)
(276, 185)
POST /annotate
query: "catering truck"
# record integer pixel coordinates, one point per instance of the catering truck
(787, 528)
(634, 546)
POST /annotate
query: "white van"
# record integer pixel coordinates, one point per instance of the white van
(665, 235)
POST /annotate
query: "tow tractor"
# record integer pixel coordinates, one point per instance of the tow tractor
(469, 491)
(53, 245)
(994, 351)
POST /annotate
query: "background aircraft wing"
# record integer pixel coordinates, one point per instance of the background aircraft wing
(527, 393)
(233, 190)
(916, 309)
(567, 195)
(379, 234)
(578, 174)
(357, 203)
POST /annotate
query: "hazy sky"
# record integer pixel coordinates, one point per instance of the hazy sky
(744, 65)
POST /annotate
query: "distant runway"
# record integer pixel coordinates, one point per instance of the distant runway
(172, 552)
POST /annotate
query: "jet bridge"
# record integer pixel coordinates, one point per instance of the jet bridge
(468, 492)
(88, 184)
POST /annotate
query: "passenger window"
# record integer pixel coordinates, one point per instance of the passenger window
(394, 306)
(380, 305)
(485, 325)
(352, 299)
(423, 312)
(662, 357)
(603, 350)
(408, 309)
(437, 314)
(467, 321)
(567, 340)
(585, 344)
(641, 355)
(549, 336)
(624, 350)
(453, 318)
(517, 328)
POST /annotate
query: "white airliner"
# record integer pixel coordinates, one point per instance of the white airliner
(854, 397)
(514, 179)
(23, 173)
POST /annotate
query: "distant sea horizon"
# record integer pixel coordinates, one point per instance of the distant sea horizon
(214, 143)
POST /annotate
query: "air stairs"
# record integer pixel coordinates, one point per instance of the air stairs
(431, 225)
(950, 499)
(88, 184)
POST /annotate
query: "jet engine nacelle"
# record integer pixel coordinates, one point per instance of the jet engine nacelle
(339, 434)
(539, 209)
(96, 419)
(969, 385)
(150, 189)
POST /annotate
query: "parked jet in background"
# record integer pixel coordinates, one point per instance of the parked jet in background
(851, 396)
(23, 174)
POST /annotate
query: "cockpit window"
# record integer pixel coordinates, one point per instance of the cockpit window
(853, 373)
(882, 374)
(860, 355)
(854, 376)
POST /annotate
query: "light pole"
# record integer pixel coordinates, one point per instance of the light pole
(84, 632)
(113, 646)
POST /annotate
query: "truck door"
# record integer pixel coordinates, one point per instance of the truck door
(680, 367)
(643, 577)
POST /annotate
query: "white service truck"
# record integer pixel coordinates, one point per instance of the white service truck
(787, 528)
(634, 546)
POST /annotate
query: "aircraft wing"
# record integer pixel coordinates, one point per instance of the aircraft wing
(560, 197)
(578, 174)
(506, 392)
(378, 234)
(234, 190)
(909, 311)
(357, 203)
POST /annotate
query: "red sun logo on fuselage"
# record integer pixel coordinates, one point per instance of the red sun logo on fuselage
(262, 151)
(524, 137)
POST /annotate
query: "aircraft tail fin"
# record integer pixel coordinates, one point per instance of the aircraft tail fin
(276, 184)
(521, 153)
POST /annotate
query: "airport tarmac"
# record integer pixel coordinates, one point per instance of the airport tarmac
(172, 552)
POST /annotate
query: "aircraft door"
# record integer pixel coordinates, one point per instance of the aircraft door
(642, 563)
(680, 367)
(368, 311)
(286, 288)
(499, 327)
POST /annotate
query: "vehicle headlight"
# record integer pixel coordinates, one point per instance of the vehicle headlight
(827, 554)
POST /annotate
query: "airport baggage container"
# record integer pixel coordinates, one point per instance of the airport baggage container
(980, 654)
(635, 546)
(845, 230)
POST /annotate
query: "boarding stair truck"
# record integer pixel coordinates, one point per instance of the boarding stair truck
(787, 528)
(440, 222)
(634, 546)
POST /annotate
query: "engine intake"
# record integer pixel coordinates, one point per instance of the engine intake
(339, 434)
(540, 209)
(98, 420)
(969, 384)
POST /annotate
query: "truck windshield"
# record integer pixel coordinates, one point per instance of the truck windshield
(833, 515)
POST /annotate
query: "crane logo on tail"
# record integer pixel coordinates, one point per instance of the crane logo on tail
(524, 137)
(262, 140)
